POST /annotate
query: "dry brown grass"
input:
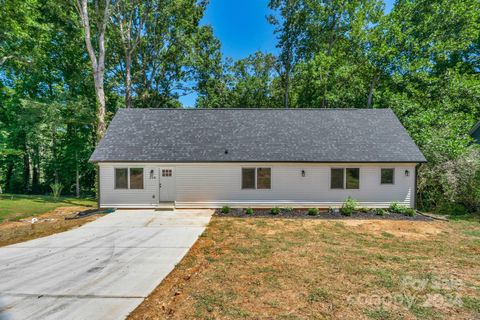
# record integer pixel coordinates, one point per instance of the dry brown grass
(48, 223)
(305, 269)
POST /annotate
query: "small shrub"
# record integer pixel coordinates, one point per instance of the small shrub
(454, 209)
(393, 207)
(225, 209)
(56, 189)
(288, 209)
(409, 212)
(249, 211)
(313, 211)
(396, 207)
(348, 206)
(364, 210)
(275, 210)
(380, 211)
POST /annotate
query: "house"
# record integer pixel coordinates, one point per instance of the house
(475, 132)
(209, 158)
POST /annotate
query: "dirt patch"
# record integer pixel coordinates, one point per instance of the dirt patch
(43, 225)
(321, 269)
(403, 229)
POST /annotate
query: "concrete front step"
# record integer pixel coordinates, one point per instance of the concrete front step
(165, 206)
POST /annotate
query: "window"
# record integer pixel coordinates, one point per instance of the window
(344, 178)
(352, 178)
(264, 179)
(387, 176)
(121, 178)
(136, 178)
(256, 178)
(248, 178)
(128, 176)
(336, 178)
(166, 172)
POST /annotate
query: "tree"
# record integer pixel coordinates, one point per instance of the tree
(253, 82)
(130, 17)
(102, 17)
(211, 72)
(290, 30)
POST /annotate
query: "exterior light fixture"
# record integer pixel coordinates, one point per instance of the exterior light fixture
(303, 173)
(407, 173)
(152, 174)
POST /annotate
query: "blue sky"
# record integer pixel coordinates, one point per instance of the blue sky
(242, 29)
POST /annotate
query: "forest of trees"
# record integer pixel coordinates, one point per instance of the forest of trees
(66, 66)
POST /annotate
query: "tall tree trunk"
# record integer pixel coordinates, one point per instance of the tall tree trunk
(26, 171)
(36, 170)
(287, 88)
(98, 64)
(54, 156)
(128, 79)
(98, 80)
(129, 16)
(77, 176)
(288, 70)
(9, 176)
(372, 88)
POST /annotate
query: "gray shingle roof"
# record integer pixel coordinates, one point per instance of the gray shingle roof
(263, 135)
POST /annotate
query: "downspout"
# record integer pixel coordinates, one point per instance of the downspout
(98, 186)
(415, 191)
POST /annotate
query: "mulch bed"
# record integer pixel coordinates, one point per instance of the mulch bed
(325, 214)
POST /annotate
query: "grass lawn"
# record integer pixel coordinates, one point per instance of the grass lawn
(14, 206)
(263, 268)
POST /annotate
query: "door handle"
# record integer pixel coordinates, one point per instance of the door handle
(160, 185)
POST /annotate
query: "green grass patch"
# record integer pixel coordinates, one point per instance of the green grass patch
(318, 294)
(15, 206)
(381, 314)
(472, 233)
(471, 303)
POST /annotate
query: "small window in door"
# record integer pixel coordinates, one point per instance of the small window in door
(166, 172)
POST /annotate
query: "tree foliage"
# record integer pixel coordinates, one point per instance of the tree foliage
(421, 59)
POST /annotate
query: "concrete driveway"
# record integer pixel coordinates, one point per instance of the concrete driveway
(101, 270)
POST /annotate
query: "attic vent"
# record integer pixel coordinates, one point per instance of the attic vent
(226, 151)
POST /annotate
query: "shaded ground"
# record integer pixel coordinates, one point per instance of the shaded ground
(15, 207)
(48, 223)
(315, 269)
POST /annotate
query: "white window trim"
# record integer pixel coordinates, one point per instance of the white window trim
(345, 183)
(128, 178)
(255, 179)
(330, 180)
(256, 186)
(344, 187)
(115, 178)
(387, 184)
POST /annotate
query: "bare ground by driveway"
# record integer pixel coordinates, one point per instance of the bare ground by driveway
(101, 270)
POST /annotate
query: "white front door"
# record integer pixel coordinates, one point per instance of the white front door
(167, 184)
